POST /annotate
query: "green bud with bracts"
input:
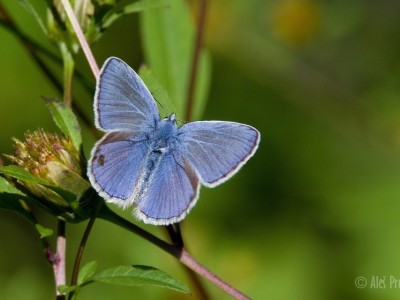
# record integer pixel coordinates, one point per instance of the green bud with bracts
(56, 176)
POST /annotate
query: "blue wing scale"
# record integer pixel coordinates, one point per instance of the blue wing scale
(115, 165)
(122, 101)
(217, 149)
(172, 191)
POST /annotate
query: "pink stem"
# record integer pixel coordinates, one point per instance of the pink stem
(81, 37)
(57, 259)
(193, 264)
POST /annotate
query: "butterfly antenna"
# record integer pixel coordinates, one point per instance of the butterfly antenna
(166, 111)
(182, 122)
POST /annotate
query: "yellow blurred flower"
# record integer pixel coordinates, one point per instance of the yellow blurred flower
(296, 21)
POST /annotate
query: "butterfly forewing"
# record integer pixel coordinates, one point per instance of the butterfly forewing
(217, 149)
(122, 101)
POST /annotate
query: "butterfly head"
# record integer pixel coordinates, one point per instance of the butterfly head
(167, 126)
(172, 118)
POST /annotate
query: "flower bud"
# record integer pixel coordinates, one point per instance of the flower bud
(53, 159)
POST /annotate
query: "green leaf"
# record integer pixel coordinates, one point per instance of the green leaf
(43, 231)
(164, 102)
(7, 187)
(21, 174)
(11, 202)
(86, 272)
(130, 8)
(66, 120)
(31, 9)
(10, 199)
(168, 36)
(137, 276)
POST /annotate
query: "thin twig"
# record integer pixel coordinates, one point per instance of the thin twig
(36, 47)
(106, 214)
(33, 46)
(180, 253)
(59, 263)
(4, 13)
(193, 264)
(29, 47)
(198, 285)
(195, 59)
(175, 235)
(174, 232)
(56, 259)
(9, 24)
(79, 254)
(81, 248)
(81, 37)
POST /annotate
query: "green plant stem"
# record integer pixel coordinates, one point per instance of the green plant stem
(69, 66)
(175, 235)
(179, 252)
(195, 59)
(106, 214)
(79, 254)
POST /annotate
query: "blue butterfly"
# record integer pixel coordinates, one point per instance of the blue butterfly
(153, 164)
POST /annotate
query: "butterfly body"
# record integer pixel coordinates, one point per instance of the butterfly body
(153, 164)
(163, 141)
(165, 135)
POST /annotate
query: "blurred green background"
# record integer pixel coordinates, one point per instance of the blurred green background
(319, 203)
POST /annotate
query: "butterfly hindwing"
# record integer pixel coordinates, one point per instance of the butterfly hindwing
(217, 149)
(172, 191)
(115, 165)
